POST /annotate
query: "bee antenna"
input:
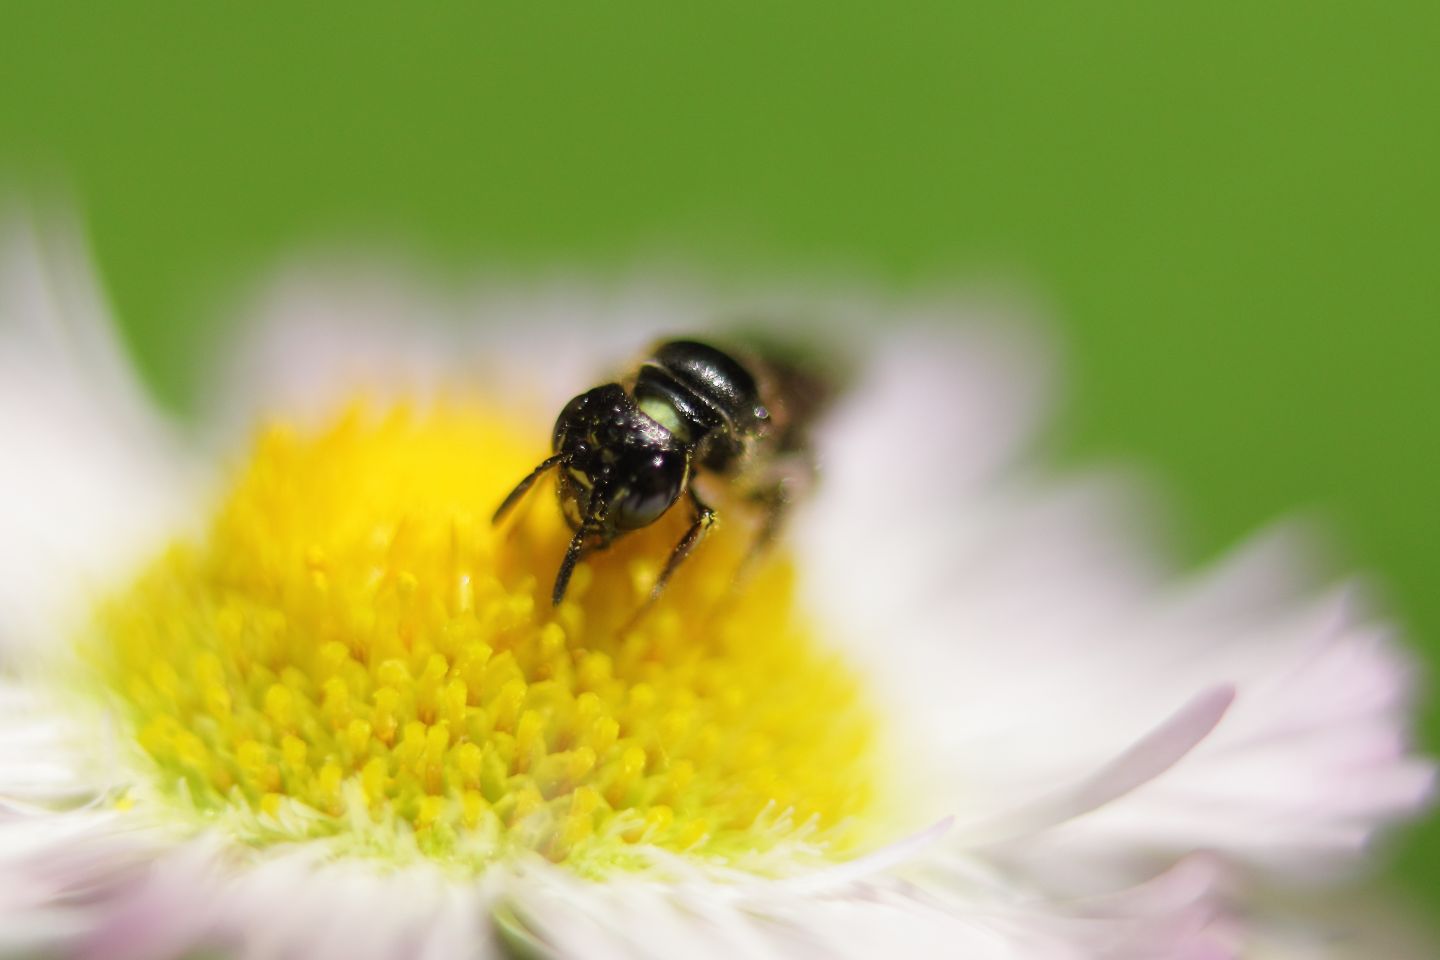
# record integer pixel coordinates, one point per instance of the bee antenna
(524, 486)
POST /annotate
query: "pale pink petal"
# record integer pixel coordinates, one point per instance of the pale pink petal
(1150, 757)
(1032, 633)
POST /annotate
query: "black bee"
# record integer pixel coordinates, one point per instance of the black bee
(627, 452)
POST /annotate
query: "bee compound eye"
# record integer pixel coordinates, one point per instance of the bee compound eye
(649, 491)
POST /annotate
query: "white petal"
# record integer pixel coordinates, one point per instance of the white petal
(328, 331)
(92, 477)
(130, 900)
(638, 918)
(47, 757)
(112, 893)
(328, 328)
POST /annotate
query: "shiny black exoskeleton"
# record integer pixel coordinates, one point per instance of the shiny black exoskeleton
(627, 452)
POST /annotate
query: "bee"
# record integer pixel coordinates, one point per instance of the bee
(628, 452)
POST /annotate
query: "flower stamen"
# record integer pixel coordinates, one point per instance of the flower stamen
(353, 652)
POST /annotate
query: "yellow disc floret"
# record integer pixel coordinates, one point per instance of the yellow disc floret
(353, 652)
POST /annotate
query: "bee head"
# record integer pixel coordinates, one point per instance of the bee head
(619, 469)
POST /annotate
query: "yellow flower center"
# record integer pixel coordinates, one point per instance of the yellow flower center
(353, 652)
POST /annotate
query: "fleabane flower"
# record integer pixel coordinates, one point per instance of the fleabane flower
(306, 700)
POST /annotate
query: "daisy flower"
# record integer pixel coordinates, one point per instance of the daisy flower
(297, 697)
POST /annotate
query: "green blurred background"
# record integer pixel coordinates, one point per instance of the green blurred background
(1233, 208)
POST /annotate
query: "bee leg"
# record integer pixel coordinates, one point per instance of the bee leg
(775, 504)
(577, 549)
(524, 486)
(704, 520)
(787, 483)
